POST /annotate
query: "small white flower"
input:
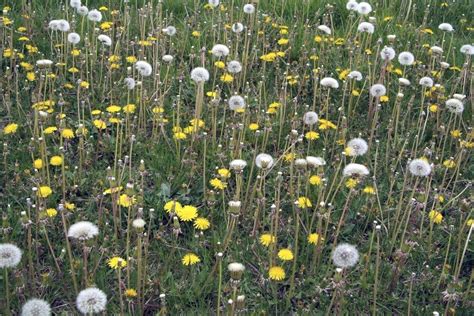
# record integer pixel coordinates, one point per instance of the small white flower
(345, 256)
(446, 27)
(91, 301)
(358, 147)
(144, 68)
(310, 118)
(264, 161)
(378, 90)
(330, 83)
(94, 15)
(406, 58)
(10, 255)
(36, 307)
(104, 39)
(249, 8)
(419, 167)
(355, 169)
(73, 38)
(366, 27)
(236, 102)
(220, 50)
(200, 74)
(83, 230)
(325, 29)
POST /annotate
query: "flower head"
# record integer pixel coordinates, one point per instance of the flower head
(91, 301)
(200, 74)
(355, 169)
(190, 259)
(10, 255)
(285, 254)
(117, 263)
(419, 167)
(276, 273)
(345, 256)
(83, 230)
(36, 307)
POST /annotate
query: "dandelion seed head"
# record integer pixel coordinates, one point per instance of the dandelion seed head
(406, 58)
(446, 27)
(249, 8)
(377, 90)
(234, 67)
(73, 38)
(310, 118)
(83, 230)
(94, 15)
(329, 83)
(264, 161)
(36, 307)
(419, 167)
(104, 39)
(355, 169)
(358, 147)
(75, 3)
(220, 50)
(91, 301)
(366, 27)
(455, 106)
(324, 29)
(345, 256)
(10, 255)
(143, 68)
(236, 103)
(364, 8)
(467, 49)
(200, 74)
(357, 75)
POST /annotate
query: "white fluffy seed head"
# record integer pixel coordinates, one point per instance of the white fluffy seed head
(426, 82)
(264, 161)
(324, 29)
(406, 58)
(357, 75)
(455, 106)
(169, 30)
(138, 223)
(345, 256)
(310, 118)
(364, 8)
(366, 27)
(355, 169)
(378, 90)
(91, 301)
(352, 5)
(63, 26)
(387, 53)
(237, 27)
(83, 230)
(82, 10)
(329, 83)
(446, 27)
(220, 50)
(130, 83)
(467, 49)
(144, 68)
(236, 102)
(94, 15)
(200, 74)
(36, 307)
(315, 161)
(249, 8)
(214, 3)
(73, 38)
(104, 39)
(358, 147)
(10, 255)
(237, 164)
(75, 3)
(419, 167)
(167, 58)
(236, 267)
(234, 67)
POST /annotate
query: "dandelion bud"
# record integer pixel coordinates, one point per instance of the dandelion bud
(234, 207)
(240, 302)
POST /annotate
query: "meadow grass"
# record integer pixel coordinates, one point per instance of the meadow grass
(154, 165)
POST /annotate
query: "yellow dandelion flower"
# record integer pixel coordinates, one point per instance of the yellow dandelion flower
(435, 216)
(227, 78)
(217, 184)
(313, 238)
(130, 293)
(285, 254)
(304, 202)
(276, 273)
(30, 76)
(10, 128)
(126, 201)
(179, 135)
(267, 239)
(38, 163)
(44, 191)
(50, 130)
(201, 223)
(187, 213)
(67, 133)
(311, 135)
(315, 180)
(56, 161)
(351, 183)
(172, 207)
(369, 190)
(129, 108)
(100, 124)
(117, 263)
(456, 133)
(449, 164)
(253, 126)
(190, 259)
(113, 108)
